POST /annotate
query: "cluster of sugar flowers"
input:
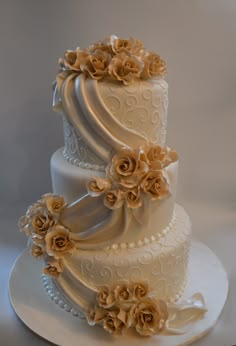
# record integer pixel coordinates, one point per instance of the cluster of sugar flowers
(134, 174)
(119, 59)
(128, 305)
(49, 238)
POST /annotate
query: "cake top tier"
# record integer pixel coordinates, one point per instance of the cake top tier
(114, 58)
(112, 95)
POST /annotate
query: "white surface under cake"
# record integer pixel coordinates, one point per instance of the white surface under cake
(34, 307)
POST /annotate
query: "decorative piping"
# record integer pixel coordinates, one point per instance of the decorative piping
(58, 298)
(146, 240)
(178, 295)
(82, 164)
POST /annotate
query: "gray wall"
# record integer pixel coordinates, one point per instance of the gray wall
(197, 39)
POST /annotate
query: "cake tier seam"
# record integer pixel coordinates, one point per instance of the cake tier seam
(82, 164)
(59, 299)
(154, 238)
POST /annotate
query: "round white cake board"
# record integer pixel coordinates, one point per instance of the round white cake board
(35, 308)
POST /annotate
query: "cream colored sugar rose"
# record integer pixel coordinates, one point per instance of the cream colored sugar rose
(133, 198)
(53, 268)
(171, 156)
(114, 199)
(116, 322)
(97, 64)
(122, 293)
(125, 67)
(149, 316)
(127, 305)
(98, 186)
(131, 45)
(70, 61)
(36, 251)
(39, 241)
(59, 242)
(104, 46)
(23, 225)
(140, 290)
(40, 219)
(119, 59)
(133, 173)
(96, 315)
(127, 168)
(54, 203)
(155, 155)
(105, 297)
(153, 66)
(73, 60)
(159, 157)
(155, 185)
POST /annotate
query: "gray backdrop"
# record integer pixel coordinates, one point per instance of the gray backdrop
(197, 39)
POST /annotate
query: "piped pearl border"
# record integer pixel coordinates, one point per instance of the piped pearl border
(58, 298)
(82, 164)
(146, 240)
(178, 295)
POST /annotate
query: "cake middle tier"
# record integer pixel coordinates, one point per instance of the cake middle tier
(158, 216)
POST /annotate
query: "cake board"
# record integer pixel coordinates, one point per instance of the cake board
(38, 312)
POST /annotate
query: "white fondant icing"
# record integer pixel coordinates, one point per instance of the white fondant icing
(163, 264)
(70, 181)
(140, 106)
(150, 243)
(206, 273)
(152, 239)
(59, 298)
(181, 315)
(104, 115)
(77, 152)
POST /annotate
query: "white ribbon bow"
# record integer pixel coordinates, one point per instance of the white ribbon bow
(182, 315)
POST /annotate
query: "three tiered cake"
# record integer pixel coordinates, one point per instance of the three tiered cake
(112, 237)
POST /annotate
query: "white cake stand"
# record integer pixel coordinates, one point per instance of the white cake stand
(35, 308)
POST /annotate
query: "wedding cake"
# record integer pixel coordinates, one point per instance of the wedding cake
(113, 240)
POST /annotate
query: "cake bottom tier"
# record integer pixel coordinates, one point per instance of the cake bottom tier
(161, 263)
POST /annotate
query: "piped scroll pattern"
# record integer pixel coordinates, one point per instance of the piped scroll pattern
(141, 107)
(163, 264)
(77, 152)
